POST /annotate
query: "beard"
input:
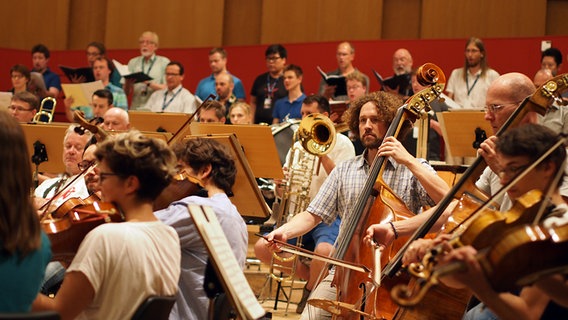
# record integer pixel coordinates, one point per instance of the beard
(370, 141)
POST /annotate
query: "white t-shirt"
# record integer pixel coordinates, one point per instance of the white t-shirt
(476, 85)
(126, 263)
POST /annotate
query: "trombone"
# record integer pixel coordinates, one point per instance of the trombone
(46, 111)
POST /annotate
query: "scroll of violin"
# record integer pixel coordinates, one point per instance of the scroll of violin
(358, 294)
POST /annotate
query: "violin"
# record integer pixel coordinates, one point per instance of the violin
(68, 231)
(465, 188)
(519, 258)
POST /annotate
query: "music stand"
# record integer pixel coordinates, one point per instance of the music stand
(258, 145)
(246, 194)
(157, 121)
(458, 130)
(51, 135)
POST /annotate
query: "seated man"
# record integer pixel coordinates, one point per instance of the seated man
(174, 98)
(116, 119)
(24, 106)
(213, 164)
(516, 149)
(212, 112)
(101, 101)
(134, 259)
(322, 237)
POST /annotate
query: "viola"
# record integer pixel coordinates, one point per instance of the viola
(183, 185)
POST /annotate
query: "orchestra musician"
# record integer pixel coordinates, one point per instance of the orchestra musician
(212, 163)
(515, 150)
(25, 249)
(119, 265)
(413, 180)
(503, 97)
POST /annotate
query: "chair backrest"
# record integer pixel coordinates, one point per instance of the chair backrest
(155, 308)
(43, 315)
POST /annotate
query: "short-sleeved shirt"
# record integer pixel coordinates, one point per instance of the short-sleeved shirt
(155, 68)
(125, 263)
(470, 94)
(284, 107)
(265, 86)
(207, 86)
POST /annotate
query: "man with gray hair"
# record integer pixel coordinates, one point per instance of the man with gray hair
(149, 63)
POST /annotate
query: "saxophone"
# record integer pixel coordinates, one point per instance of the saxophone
(316, 137)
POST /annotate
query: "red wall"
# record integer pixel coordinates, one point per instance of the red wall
(246, 62)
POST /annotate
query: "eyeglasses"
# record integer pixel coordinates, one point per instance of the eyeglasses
(93, 54)
(19, 108)
(172, 74)
(17, 76)
(146, 42)
(493, 108)
(83, 165)
(273, 58)
(104, 175)
(349, 88)
(512, 171)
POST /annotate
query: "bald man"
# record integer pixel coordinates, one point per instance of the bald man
(400, 83)
(116, 119)
(345, 55)
(224, 86)
(556, 117)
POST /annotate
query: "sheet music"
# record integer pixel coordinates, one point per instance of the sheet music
(229, 271)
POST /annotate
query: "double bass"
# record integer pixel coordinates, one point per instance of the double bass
(359, 294)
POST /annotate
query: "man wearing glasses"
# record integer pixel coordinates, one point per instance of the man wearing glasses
(269, 86)
(174, 98)
(24, 106)
(149, 63)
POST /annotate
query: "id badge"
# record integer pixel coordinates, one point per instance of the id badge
(267, 103)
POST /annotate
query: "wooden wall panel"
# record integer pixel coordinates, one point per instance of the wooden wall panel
(24, 23)
(482, 18)
(556, 13)
(320, 20)
(178, 23)
(401, 19)
(86, 22)
(242, 22)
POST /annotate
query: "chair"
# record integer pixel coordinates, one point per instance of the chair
(155, 308)
(44, 315)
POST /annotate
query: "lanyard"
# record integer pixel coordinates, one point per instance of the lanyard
(467, 83)
(164, 104)
(270, 88)
(150, 67)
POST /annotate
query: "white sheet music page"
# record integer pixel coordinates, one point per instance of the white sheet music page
(225, 262)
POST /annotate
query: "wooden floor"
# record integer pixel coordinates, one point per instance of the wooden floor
(265, 288)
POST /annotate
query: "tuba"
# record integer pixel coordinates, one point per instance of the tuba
(316, 136)
(46, 110)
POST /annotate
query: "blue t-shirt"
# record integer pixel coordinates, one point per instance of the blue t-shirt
(207, 86)
(283, 107)
(21, 278)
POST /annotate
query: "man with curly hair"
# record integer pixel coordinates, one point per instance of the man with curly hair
(414, 181)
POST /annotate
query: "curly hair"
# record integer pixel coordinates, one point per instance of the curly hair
(199, 152)
(386, 103)
(132, 154)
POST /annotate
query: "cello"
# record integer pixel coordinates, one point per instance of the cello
(358, 295)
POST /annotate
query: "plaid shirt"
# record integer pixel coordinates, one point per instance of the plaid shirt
(341, 189)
